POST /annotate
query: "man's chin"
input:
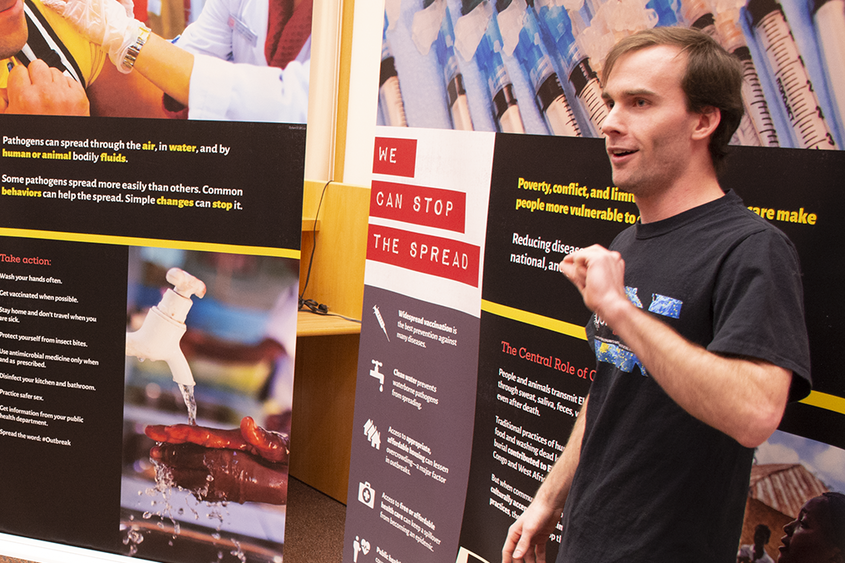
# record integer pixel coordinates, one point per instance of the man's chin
(623, 185)
(13, 32)
(627, 183)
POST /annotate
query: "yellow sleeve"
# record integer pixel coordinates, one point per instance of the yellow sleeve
(4, 71)
(89, 56)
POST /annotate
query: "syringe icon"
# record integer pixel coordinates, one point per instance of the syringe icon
(798, 99)
(380, 321)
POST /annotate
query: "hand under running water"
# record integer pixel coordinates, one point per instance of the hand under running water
(248, 464)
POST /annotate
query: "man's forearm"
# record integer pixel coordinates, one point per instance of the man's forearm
(527, 537)
(556, 485)
(744, 398)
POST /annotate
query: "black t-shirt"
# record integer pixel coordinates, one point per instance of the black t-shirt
(653, 482)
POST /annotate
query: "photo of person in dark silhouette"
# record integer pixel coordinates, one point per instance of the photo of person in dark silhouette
(817, 535)
(756, 553)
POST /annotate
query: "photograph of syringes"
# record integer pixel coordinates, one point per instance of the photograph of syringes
(534, 66)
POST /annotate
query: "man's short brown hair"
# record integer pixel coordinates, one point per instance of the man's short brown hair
(713, 77)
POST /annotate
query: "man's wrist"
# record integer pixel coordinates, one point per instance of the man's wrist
(614, 310)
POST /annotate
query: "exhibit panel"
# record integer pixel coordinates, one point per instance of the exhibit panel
(149, 297)
(415, 396)
(466, 66)
(149, 272)
(534, 364)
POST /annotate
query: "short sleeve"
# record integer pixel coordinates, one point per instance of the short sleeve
(758, 306)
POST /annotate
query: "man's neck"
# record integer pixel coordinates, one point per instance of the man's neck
(684, 194)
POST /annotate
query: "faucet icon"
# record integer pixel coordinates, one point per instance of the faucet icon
(159, 335)
(377, 374)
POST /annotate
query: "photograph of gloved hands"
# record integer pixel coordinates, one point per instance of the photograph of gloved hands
(220, 80)
(112, 26)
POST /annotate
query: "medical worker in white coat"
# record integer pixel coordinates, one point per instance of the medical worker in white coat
(221, 68)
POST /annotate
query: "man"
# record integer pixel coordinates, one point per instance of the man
(72, 78)
(658, 463)
(756, 553)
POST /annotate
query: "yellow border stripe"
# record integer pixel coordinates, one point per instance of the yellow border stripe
(155, 243)
(534, 319)
(815, 399)
(825, 401)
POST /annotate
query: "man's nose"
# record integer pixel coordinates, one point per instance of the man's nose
(612, 122)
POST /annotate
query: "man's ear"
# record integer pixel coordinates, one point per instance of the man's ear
(708, 119)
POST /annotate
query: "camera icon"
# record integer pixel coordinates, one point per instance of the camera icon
(366, 494)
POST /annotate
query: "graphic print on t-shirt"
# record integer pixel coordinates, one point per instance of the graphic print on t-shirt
(613, 351)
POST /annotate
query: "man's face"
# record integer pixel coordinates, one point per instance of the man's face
(12, 27)
(647, 132)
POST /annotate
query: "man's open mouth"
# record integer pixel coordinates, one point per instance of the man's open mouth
(622, 152)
